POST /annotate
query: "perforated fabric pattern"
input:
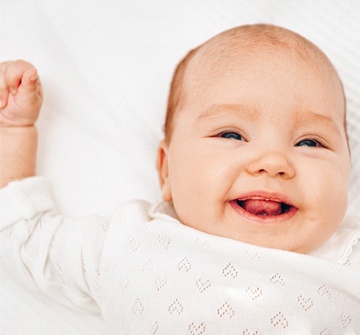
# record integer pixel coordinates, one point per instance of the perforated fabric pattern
(145, 272)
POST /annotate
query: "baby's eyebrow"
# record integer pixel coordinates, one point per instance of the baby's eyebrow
(238, 110)
(310, 117)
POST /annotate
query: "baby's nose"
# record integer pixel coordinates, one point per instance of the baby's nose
(272, 164)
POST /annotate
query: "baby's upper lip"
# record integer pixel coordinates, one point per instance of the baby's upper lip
(267, 196)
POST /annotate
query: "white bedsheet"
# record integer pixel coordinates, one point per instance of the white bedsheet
(106, 67)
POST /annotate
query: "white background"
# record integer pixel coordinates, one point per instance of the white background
(106, 67)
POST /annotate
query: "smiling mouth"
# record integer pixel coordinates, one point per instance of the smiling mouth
(264, 209)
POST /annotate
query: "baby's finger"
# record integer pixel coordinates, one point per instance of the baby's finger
(3, 98)
(29, 80)
(14, 73)
(30, 87)
(4, 93)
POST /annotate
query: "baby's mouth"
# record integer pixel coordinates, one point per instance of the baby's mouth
(264, 207)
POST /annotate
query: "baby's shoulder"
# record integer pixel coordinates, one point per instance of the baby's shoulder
(132, 209)
(137, 215)
(142, 210)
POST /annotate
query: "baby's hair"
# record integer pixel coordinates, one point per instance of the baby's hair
(252, 39)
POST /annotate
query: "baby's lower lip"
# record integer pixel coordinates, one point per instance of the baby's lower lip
(264, 219)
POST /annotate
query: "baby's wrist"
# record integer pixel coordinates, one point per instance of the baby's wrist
(9, 130)
(20, 123)
(18, 146)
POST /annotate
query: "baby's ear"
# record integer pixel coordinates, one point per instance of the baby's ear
(163, 170)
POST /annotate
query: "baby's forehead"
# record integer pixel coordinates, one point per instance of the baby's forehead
(239, 46)
(230, 51)
(242, 45)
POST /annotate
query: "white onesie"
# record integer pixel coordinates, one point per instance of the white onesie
(149, 274)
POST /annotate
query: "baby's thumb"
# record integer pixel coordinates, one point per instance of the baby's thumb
(29, 81)
(29, 93)
(28, 85)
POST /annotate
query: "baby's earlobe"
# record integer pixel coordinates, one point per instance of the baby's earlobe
(166, 193)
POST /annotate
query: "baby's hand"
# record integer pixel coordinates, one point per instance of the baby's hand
(21, 94)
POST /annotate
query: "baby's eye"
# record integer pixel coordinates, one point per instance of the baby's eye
(232, 136)
(309, 143)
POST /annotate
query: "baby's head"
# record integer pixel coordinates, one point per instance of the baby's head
(255, 142)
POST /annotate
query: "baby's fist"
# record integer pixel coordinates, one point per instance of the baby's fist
(20, 94)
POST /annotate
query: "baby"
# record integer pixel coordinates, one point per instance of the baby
(251, 236)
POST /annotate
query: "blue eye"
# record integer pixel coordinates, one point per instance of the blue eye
(232, 136)
(309, 143)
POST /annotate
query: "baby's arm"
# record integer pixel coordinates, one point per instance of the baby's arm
(39, 248)
(20, 102)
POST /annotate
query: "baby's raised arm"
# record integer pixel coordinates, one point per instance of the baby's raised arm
(39, 248)
(20, 102)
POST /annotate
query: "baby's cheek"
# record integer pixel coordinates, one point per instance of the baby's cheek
(335, 200)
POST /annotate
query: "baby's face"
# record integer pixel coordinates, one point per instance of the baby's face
(259, 153)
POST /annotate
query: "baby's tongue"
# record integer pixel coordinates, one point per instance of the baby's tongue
(262, 207)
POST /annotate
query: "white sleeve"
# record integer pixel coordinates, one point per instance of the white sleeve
(40, 248)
